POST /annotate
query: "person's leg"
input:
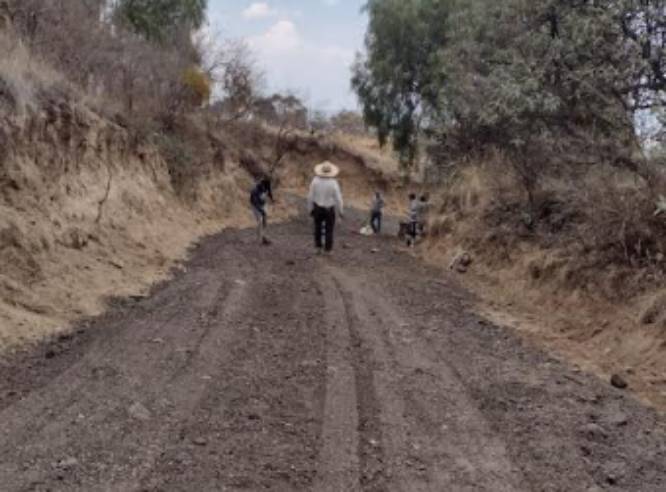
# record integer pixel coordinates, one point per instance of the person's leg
(260, 223)
(379, 222)
(264, 225)
(330, 228)
(411, 233)
(318, 224)
(373, 222)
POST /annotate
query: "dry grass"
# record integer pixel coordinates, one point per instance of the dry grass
(582, 270)
(23, 76)
(112, 214)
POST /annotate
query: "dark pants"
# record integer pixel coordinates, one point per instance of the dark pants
(376, 222)
(324, 224)
(412, 232)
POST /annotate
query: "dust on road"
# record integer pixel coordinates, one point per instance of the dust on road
(271, 369)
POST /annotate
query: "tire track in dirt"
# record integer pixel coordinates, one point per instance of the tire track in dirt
(270, 369)
(69, 380)
(188, 386)
(134, 372)
(41, 412)
(339, 467)
(432, 436)
(261, 414)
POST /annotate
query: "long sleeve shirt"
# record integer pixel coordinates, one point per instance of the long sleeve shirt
(259, 193)
(325, 192)
(377, 204)
(414, 210)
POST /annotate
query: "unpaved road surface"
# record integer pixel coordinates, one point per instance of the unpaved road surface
(267, 368)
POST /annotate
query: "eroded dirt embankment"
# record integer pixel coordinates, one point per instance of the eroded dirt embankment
(90, 209)
(605, 314)
(87, 212)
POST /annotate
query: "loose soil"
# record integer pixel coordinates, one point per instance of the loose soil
(270, 368)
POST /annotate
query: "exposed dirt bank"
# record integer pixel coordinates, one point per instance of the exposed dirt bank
(90, 209)
(598, 335)
(88, 212)
(272, 369)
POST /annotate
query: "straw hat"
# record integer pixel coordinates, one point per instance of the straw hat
(327, 170)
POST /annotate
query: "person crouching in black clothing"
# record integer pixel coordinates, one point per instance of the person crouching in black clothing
(258, 198)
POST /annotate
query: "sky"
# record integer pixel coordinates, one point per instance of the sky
(304, 46)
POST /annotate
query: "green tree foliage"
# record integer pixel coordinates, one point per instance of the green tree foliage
(562, 76)
(160, 20)
(399, 78)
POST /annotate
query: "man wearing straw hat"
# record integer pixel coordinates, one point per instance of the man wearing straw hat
(324, 200)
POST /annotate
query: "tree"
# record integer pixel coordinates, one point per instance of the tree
(239, 80)
(282, 110)
(162, 20)
(543, 80)
(318, 121)
(349, 122)
(398, 79)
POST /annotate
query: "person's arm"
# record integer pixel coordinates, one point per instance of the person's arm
(253, 198)
(311, 197)
(340, 205)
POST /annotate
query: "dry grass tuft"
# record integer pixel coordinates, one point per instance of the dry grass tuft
(23, 77)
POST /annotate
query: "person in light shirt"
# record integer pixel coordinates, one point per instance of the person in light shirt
(324, 202)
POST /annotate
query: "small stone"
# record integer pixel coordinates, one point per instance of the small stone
(67, 463)
(594, 431)
(619, 382)
(290, 263)
(374, 250)
(200, 441)
(139, 412)
(618, 419)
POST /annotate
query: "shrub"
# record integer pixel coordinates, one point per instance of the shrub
(197, 85)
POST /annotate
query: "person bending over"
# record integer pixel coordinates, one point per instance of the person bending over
(258, 198)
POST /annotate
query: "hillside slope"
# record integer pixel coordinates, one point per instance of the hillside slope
(90, 210)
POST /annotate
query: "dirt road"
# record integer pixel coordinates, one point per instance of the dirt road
(267, 368)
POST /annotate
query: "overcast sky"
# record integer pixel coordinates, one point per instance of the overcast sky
(303, 45)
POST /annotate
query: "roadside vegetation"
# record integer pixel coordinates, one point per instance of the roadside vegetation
(538, 128)
(541, 119)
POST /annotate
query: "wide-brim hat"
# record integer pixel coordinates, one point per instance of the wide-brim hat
(326, 170)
